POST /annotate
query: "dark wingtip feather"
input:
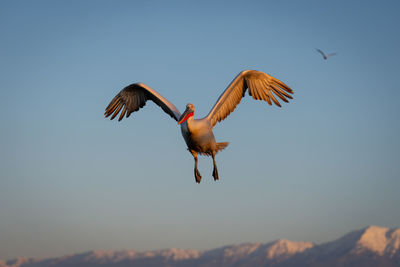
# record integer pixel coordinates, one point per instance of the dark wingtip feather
(117, 111)
(281, 97)
(112, 101)
(113, 105)
(122, 114)
(278, 104)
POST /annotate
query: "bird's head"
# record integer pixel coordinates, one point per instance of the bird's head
(189, 112)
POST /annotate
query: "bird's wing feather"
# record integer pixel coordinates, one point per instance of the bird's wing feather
(133, 97)
(261, 87)
(322, 53)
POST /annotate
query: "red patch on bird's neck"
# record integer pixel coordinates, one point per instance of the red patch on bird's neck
(186, 117)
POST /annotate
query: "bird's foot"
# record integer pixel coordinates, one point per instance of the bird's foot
(215, 174)
(197, 176)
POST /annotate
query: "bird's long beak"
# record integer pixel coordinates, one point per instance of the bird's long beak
(186, 115)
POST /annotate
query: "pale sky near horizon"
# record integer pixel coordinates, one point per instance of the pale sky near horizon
(323, 165)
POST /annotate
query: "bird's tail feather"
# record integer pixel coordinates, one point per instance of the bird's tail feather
(222, 146)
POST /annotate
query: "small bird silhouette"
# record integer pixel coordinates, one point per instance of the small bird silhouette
(323, 54)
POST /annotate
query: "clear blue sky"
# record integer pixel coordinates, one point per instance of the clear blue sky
(324, 164)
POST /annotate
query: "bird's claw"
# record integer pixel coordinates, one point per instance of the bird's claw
(215, 174)
(197, 176)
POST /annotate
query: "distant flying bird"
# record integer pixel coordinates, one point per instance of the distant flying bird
(323, 54)
(198, 133)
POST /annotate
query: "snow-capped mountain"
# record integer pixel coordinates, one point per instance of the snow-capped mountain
(372, 246)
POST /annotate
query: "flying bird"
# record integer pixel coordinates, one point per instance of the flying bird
(324, 55)
(198, 133)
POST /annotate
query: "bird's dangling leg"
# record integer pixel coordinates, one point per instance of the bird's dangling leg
(215, 170)
(197, 175)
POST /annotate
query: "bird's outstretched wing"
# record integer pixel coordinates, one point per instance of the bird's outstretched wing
(322, 53)
(133, 97)
(261, 87)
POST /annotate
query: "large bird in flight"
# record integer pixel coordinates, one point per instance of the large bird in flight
(198, 133)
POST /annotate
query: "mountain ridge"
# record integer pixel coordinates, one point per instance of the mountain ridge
(370, 246)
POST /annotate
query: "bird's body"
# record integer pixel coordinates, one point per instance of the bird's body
(198, 136)
(198, 133)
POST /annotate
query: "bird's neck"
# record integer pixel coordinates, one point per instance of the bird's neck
(189, 123)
